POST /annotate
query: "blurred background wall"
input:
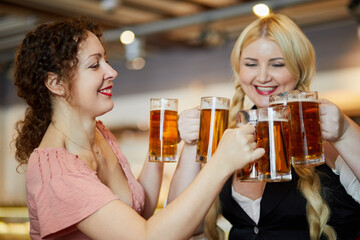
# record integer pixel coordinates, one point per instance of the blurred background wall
(188, 74)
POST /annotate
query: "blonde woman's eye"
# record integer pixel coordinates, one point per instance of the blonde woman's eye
(279, 65)
(250, 64)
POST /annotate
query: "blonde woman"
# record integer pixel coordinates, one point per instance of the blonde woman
(273, 55)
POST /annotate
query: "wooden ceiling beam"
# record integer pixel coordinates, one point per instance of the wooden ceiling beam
(6, 9)
(134, 12)
(165, 7)
(20, 11)
(215, 3)
(302, 14)
(121, 16)
(318, 12)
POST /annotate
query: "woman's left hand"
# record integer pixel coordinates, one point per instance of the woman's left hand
(332, 121)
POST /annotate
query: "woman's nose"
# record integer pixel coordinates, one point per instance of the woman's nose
(263, 74)
(111, 73)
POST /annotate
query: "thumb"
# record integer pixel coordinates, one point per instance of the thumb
(256, 154)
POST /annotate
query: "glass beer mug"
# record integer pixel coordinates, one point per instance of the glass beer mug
(214, 116)
(272, 135)
(163, 130)
(250, 171)
(306, 145)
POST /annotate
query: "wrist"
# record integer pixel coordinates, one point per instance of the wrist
(223, 169)
(190, 145)
(189, 149)
(188, 157)
(345, 129)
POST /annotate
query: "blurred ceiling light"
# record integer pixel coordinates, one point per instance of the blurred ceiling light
(134, 54)
(109, 5)
(261, 10)
(211, 38)
(127, 37)
(136, 64)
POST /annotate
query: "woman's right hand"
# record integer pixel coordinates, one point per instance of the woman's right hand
(188, 125)
(238, 147)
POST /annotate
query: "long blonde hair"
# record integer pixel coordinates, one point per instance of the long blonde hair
(299, 57)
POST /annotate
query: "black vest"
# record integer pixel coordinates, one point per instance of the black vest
(283, 211)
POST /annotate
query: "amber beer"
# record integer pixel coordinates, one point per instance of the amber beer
(280, 100)
(163, 130)
(250, 171)
(214, 117)
(272, 135)
(306, 147)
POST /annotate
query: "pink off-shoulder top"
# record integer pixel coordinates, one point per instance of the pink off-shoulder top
(62, 190)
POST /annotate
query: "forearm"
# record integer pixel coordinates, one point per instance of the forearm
(186, 171)
(116, 220)
(151, 178)
(348, 146)
(190, 207)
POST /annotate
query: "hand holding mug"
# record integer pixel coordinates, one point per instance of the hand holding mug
(238, 147)
(332, 121)
(188, 125)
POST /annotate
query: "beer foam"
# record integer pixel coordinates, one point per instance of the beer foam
(273, 120)
(218, 107)
(215, 103)
(282, 102)
(163, 104)
(170, 108)
(303, 100)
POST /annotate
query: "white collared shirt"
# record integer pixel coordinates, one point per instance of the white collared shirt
(251, 207)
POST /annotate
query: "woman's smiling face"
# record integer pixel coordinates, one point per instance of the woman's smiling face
(93, 80)
(263, 72)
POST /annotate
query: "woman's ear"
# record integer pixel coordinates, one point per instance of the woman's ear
(54, 84)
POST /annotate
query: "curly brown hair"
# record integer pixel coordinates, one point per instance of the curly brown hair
(51, 47)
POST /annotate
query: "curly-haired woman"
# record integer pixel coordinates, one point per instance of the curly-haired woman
(79, 183)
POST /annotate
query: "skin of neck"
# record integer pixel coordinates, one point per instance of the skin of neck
(78, 126)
